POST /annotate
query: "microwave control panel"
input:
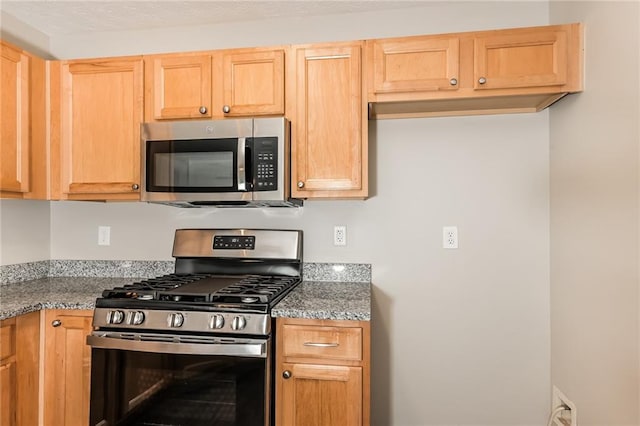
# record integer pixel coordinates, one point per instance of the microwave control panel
(265, 164)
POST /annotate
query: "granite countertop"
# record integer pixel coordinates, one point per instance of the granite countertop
(53, 293)
(310, 299)
(327, 300)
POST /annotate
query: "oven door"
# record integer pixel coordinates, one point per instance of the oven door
(159, 379)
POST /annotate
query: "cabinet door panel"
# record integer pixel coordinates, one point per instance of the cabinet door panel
(101, 115)
(181, 87)
(8, 394)
(67, 368)
(254, 83)
(328, 145)
(521, 60)
(415, 64)
(322, 395)
(14, 120)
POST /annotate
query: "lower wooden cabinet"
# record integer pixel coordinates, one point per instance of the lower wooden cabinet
(67, 366)
(322, 372)
(19, 346)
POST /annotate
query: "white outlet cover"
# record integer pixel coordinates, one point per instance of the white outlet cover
(450, 237)
(558, 398)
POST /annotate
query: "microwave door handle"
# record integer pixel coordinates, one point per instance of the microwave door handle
(242, 164)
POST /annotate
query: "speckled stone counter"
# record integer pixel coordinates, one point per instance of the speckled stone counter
(53, 293)
(327, 300)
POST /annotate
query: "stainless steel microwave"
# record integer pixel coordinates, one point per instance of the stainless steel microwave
(232, 163)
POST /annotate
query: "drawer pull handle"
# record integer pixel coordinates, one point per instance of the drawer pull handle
(286, 374)
(321, 345)
(56, 323)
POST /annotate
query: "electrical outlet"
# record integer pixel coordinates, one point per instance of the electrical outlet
(566, 417)
(450, 237)
(104, 235)
(340, 235)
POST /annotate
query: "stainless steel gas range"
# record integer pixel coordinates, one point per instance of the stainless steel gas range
(195, 347)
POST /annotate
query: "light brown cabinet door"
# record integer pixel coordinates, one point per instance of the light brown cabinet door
(8, 372)
(181, 86)
(67, 367)
(101, 111)
(518, 59)
(14, 120)
(253, 83)
(415, 64)
(329, 137)
(7, 394)
(321, 395)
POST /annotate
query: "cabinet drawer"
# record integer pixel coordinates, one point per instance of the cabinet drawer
(341, 343)
(7, 338)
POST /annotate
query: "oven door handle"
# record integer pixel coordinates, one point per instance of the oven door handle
(255, 349)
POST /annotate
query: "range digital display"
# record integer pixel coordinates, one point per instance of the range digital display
(234, 242)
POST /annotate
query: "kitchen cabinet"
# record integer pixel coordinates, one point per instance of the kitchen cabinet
(329, 152)
(322, 372)
(22, 117)
(67, 366)
(178, 87)
(19, 355)
(217, 84)
(96, 112)
(512, 70)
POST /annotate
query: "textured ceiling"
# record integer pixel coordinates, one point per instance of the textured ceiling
(57, 17)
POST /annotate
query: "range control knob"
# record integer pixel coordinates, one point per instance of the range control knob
(115, 317)
(136, 317)
(175, 320)
(216, 321)
(239, 323)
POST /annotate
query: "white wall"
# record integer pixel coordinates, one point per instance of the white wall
(24, 231)
(595, 140)
(23, 35)
(460, 337)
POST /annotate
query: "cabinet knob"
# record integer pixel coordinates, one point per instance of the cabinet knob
(453, 81)
(226, 109)
(286, 374)
(300, 184)
(56, 323)
(203, 110)
(482, 80)
(135, 186)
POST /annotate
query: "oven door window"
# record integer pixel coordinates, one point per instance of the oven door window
(208, 165)
(142, 388)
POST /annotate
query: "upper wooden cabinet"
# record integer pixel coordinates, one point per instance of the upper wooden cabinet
(178, 87)
(95, 142)
(329, 122)
(226, 83)
(514, 70)
(418, 64)
(22, 117)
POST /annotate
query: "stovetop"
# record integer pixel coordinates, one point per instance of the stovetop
(209, 289)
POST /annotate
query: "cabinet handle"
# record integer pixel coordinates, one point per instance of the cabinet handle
(286, 374)
(453, 81)
(203, 110)
(135, 186)
(482, 80)
(56, 323)
(321, 345)
(226, 109)
(300, 184)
